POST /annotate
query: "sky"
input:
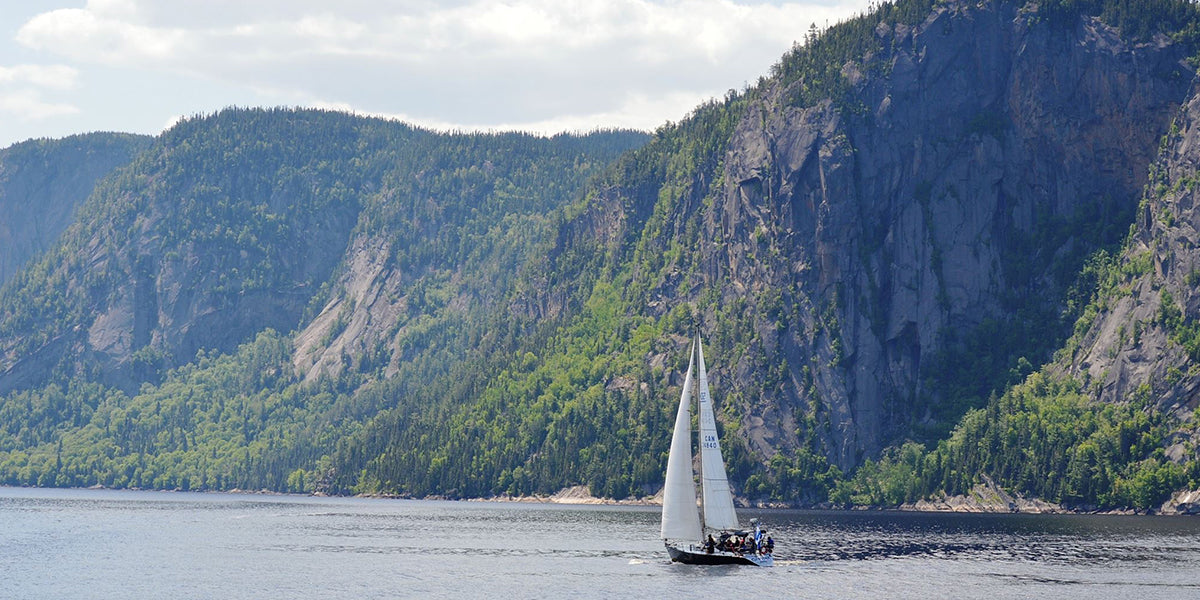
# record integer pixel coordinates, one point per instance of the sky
(545, 66)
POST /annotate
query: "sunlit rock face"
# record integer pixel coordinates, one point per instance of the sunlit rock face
(973, 163)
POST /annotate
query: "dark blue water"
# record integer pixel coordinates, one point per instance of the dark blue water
(116, 544)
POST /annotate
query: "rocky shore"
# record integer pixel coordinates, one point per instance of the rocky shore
(578, 494)
(1182, 503)
(986, 497)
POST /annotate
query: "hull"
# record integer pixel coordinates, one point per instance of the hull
(694, 556)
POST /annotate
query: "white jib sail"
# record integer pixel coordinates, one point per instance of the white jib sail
(680, 517)
(718, 500)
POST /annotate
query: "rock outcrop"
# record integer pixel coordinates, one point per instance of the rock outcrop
(1182, 503)
(357, 321)
(985, 497)
(1140, 341)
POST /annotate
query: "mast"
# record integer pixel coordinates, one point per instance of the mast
(717, 497)
(680, 517)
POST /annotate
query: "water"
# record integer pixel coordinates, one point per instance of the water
(64, 544)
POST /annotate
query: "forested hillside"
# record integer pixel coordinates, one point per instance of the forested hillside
(912, 250)
(43, 182)
(129, 342)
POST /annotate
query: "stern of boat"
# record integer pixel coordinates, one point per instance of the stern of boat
(694, 555)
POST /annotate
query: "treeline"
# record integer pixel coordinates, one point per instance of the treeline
(1136, 19)
(216, 424)
(813, 71)
(584, 411)
(1044, 439)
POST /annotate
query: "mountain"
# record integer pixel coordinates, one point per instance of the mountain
(926, 204)
(876, 239)
(230, 224)
(43, 182)
(131, 337)
(898, 246)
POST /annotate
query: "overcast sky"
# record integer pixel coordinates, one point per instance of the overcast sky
(539, 65)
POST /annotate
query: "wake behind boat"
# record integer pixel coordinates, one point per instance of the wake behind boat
(681, 531)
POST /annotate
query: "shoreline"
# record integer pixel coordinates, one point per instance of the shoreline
(984, 498)
(578, 494)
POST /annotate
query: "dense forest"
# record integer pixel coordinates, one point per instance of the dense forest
(310, 301)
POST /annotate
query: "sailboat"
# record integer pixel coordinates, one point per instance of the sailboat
(681, 517)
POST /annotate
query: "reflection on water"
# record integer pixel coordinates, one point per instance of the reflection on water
(1067, 539)
(109, 544)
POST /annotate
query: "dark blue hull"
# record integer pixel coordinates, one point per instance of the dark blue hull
(697, 556)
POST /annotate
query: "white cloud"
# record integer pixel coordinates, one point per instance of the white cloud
(172, 121)
(60, 77)
(636, 111)
(22, 87)
(28, 104)
(120, 9)
(92, 36)
(466, 64)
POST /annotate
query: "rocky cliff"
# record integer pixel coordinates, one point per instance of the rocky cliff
(1139, 338)
(944, 193)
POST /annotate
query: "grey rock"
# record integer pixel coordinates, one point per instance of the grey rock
(905, 212)
(1130, 349)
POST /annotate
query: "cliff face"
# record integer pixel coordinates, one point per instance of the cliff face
(956, 188)
(170, 296)
(991, 150)
(1139, 339)
(43, 182)
(452, 254)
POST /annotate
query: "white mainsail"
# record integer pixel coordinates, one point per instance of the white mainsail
(718, 499)
(680, 517)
